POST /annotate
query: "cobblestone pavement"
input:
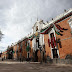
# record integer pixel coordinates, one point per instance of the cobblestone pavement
(33, 67)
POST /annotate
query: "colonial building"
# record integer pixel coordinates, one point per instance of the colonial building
(53, 39)
(59, 36)
(22, 49)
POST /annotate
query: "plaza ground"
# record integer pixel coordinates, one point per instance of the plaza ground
(8, 66)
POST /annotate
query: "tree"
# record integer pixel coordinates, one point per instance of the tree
(1, 35)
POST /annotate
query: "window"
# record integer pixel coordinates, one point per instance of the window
(52, 35)
(70, 24)
(54, 51)
(37, 42)
(53, 41)
(36, 28)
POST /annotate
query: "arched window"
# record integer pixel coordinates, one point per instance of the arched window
(36, 28)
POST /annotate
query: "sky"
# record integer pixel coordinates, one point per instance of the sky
(18, 16)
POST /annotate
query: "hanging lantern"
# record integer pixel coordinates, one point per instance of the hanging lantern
(49, 42)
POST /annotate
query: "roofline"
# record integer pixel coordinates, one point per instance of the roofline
(58, 17)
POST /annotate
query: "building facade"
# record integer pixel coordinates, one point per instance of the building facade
(53, 39)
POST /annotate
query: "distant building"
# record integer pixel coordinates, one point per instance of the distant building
(4, 55)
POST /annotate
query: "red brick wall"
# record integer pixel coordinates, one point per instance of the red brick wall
(39, 56)
(66, 44)
(15, 54)
(47, 48)
(24, 52)
(19, 50)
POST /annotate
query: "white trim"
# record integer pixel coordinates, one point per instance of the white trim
(63, 19)
(43, 39)
(56, 44)
(57, 18)
(52, 31)
(70, 23)
(58, 52)
(50, 44)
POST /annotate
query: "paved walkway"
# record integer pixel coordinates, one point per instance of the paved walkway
(6, 66)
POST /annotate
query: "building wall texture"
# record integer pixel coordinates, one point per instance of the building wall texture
(66, 44)
(65, 49)
(24, 52)
(15, 51)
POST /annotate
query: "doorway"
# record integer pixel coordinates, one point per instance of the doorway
(37, 42)
(36, 56)
(54, 51)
